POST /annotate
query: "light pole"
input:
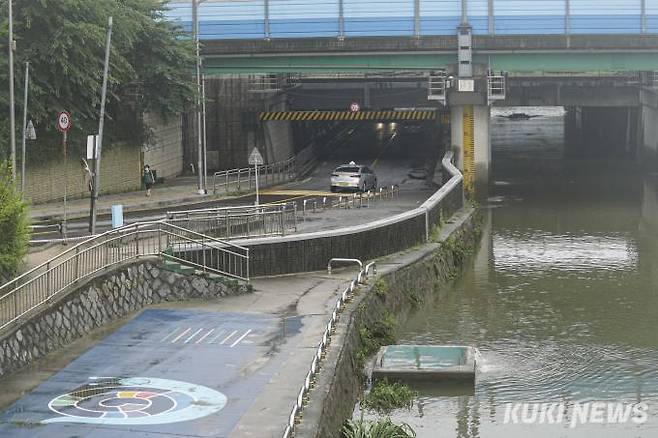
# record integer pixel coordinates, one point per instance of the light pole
(200, 115)
(12, 102)
(27, 86)
(101, 123)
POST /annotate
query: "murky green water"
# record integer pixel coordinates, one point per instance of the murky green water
(561, 299)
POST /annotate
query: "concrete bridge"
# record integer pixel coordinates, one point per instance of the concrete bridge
(596, 57)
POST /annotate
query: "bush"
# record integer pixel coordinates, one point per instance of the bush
(377, 429)
(384, 397)
(13, 225)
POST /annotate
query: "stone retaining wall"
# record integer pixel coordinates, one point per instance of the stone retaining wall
(339, 387)
(99, 301)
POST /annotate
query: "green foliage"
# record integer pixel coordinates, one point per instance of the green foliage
(13, 225)
(64, 40)
(385, 396)
(377, 429)
(381, 332)
(381, 288)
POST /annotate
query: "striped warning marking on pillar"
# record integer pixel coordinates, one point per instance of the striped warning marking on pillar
(468, 122)
(300, 116)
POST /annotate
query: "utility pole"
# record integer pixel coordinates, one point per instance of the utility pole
(101, 123)
(27, 86)
(197, 110)
(12, 101)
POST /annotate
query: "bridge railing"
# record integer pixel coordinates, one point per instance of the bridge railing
(245, 178)
(42, 284)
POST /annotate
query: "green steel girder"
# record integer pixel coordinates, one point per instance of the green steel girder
(520, 62)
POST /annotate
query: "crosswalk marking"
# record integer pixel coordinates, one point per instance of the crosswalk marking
(193, 335)
(213, 340)
(241, 338)
(204, 336)
(181, 335)
(228, 337)
(169, 335)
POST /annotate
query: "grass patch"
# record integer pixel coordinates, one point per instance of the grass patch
(380, 333)
(381, 288)
(377, 429)
(385, 396)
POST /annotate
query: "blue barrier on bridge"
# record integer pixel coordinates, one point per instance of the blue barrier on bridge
(246, 19)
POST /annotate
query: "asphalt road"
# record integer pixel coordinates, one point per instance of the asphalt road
(165, 373)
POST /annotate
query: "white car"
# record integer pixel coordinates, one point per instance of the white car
(353, 176)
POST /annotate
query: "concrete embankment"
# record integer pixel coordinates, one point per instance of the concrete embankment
(407, 280)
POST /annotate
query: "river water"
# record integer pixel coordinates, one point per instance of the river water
(561, 299)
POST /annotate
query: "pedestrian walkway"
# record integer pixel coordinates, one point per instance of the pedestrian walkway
(181, 190)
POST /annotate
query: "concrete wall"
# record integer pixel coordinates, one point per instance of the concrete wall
(120, 170)
(648, 129)
(312, 251)
(415, 282)
(97, 302)
(164, 151)
(232, 124)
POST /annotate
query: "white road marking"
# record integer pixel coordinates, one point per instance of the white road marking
(204, 336)
(213, 340)
(241, 338)
(181, 335)
(193, 335)
(169, 335)
(228, 337)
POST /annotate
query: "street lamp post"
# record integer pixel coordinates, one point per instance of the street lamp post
(12, 102)
(27, 86)
(199, 113)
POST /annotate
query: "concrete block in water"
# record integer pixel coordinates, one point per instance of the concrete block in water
(432, 363)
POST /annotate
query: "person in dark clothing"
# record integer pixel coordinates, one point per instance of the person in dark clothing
(148, 179)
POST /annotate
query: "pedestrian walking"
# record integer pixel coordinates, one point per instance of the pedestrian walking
(148, 179)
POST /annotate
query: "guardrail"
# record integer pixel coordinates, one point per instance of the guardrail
(245, 178)
(298, 406)
(38, 286)
(239, 222)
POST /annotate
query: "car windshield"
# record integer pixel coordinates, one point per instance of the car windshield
(348, 170)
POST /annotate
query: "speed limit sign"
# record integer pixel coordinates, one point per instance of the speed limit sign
(63, 121)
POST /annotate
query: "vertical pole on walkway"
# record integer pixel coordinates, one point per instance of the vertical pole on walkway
(25, 97)
(256, 174)
(66, 182)
(197, 110)
(205, 139)
(12, 101)
(101, 124)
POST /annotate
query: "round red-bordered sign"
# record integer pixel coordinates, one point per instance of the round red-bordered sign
(64, 122)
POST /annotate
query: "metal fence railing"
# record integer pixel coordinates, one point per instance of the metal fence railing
(245, 178)
(38, 286)
(298, 406)
(239, 222)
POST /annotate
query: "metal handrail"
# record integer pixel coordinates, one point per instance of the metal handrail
(273, 172)
(38, 286)
(298, 405)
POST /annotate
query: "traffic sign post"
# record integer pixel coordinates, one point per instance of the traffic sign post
(256, 159)
(63, 125)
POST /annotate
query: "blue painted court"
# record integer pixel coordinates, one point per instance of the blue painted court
(165, 373)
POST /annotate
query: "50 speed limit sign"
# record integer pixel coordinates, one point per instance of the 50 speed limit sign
(63, 121)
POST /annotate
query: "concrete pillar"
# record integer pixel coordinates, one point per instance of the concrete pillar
(471, 142)
(648, 136)
(649, 221)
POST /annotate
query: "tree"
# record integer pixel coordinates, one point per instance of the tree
(64, 40)
(13, 225)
